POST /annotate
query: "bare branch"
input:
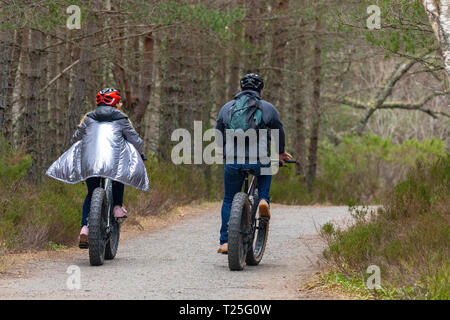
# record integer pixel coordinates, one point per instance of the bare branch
(405, 106)
(347, 101)
(60, 74)
(396, 75)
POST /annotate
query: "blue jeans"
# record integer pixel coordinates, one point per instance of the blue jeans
(233, 180)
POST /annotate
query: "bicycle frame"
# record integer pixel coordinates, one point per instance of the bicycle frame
(253, 184)
(106, 184)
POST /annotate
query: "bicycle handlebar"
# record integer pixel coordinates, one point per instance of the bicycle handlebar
(281, 164)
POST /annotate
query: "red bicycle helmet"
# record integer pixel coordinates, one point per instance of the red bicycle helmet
(109, 96)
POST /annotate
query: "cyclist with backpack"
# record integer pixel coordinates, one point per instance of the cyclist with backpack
(105, 144)
(247, 111)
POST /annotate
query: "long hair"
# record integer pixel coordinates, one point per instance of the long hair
(82, 119)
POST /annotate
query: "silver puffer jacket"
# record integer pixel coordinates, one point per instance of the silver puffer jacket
(105, 145)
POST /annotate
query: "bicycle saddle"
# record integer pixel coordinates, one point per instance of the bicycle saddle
(246, 172)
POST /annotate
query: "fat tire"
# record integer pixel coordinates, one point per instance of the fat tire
(257, 246)
(96, 236)
(256, 249)
(113, 242)
(238, 226)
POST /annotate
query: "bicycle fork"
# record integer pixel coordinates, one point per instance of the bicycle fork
(108, 189)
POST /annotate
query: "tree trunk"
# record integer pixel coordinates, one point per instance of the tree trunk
(221, 92)
(78, 97)
(279, 40)
(234, 61)
(21, 90)
(438, 12)
(31, 122)
(6, 48)
(62, 96)
(44, 130)
(133, 58)
(121, 78)
(254, 35)
(170, 95)
(314, 135)
(52, 94)
(298, 102)
(146, 81)
(13, 71)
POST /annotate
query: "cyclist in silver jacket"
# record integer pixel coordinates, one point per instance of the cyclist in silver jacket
(105, 144)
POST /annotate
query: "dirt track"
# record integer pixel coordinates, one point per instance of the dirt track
(180, 262)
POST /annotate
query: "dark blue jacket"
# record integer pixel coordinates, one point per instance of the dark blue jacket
(270, 119)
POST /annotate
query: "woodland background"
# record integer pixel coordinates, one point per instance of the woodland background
(180, 61)
(360, 107)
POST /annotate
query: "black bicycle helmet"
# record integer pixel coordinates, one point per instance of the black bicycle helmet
(252, 81)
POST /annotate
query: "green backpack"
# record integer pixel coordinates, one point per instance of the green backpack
(245, 113)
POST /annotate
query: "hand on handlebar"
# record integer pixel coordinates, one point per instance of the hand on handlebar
(144, 158)
(284, 157)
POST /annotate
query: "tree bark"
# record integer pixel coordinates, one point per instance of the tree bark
(31, 112)
(170, 95)
(78, 97)
(298, 102)
(234, 64)
(438, 12)
(146, 80)
(6, 48)
(314, 135)
(13, 71)
(44, 130)
(254, 35)
(21, 90)
(277, 58)
(62, 96)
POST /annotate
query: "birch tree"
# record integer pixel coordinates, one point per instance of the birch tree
(438, 12)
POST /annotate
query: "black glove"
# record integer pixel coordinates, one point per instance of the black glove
(144, 158)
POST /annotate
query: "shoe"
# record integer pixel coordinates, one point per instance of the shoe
(264, 209)
(83, 243)
(223, 248)
(120, 212)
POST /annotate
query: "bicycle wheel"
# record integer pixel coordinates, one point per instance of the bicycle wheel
(238, 231)
(97, 227)
(260, 233)
(113, 242)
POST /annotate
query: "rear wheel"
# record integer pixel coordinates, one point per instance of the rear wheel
(238, 231)
(97, 227)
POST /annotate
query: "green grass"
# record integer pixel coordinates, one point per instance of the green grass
(355, 285)
(55, 246)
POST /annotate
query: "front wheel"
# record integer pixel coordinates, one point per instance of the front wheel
(113, 241)
(97, 227)
(238, 231)
(258, 245)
